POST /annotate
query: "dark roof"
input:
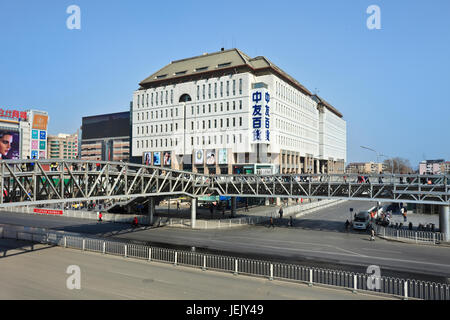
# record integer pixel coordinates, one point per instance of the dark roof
(320, 100)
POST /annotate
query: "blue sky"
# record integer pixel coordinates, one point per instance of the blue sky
(390, 84)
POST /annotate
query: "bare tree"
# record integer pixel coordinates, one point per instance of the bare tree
(398, 165)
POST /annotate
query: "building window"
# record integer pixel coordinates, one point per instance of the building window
(234, 87)
(221, 89)
(203, 95)
(240, 104)
(234, 105)
(156, 100)
(240, 121)
(171, 96)
(221, 107)
(228, 88)
(209, 91)
(240, 86)
(234, 122)
(228, 106)
(198, 92)
(215, 90)
(209, 108)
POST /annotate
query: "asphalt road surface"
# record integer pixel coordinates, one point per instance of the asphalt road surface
(318, 239)
(41, 273)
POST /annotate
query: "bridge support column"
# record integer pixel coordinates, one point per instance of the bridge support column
(193, 212)
(151, 210)
(233, 206)
(444, 222)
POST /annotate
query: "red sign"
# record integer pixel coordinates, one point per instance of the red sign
(13, 114)
(48, 211)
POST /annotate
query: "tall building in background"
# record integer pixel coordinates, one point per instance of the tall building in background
(24, 133)
(226, 112)
(63, 146)
(106, 137)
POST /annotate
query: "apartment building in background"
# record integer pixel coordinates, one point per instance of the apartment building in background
(63, 146)
(365, 168)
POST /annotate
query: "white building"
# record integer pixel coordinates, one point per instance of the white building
(228, 113)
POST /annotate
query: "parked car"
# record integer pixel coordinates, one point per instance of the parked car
(361, 220)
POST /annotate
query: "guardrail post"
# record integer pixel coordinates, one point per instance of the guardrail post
(406, 291)
(235, 267)
(150, 254)
(271, 272)
(104, 247)
(416, 236)
(65, 242)
(434, 238)
(355, 283)
(84, 244)
(125, 247)
(310, 278)
(204, 263)
(176, 258)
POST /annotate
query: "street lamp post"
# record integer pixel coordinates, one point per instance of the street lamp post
(373, 151)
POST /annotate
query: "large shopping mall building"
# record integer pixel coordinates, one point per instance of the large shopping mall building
(23, 134)
(226, 112)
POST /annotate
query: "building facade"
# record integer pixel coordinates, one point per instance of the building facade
(431, 166)
(106, 137)
(227, 113)
(63, 146)
(365, 168)
(23, 134)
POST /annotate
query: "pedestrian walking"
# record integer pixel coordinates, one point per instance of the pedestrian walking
(246, 206)
(271, 223)
(280, 212)
(372, 233)
(404, 214)
(100, 217)
(178, 206)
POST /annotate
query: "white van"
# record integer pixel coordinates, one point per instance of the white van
(361, 220)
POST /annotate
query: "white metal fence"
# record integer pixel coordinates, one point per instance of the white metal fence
(416, 236)
(352, 281)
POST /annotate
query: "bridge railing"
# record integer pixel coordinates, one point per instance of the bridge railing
(402, 288)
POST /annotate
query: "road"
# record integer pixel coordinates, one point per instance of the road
(41, 274)
(317, 239)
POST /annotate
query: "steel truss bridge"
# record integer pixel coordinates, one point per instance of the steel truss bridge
(32, 182)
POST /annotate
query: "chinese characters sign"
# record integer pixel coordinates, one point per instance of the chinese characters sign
(261, 116)
(13, 114)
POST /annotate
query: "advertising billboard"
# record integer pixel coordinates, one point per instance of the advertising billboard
(41, 154)
(223, 156)
(211, 157)
(106, 126)
(9, 144)
(157, 158)
(147, 158)
(41, 145)
(34, 154)
(40, 122)
(34, 144)
(42, 135)
(198, 157)
(167, 158)
(35, 134)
